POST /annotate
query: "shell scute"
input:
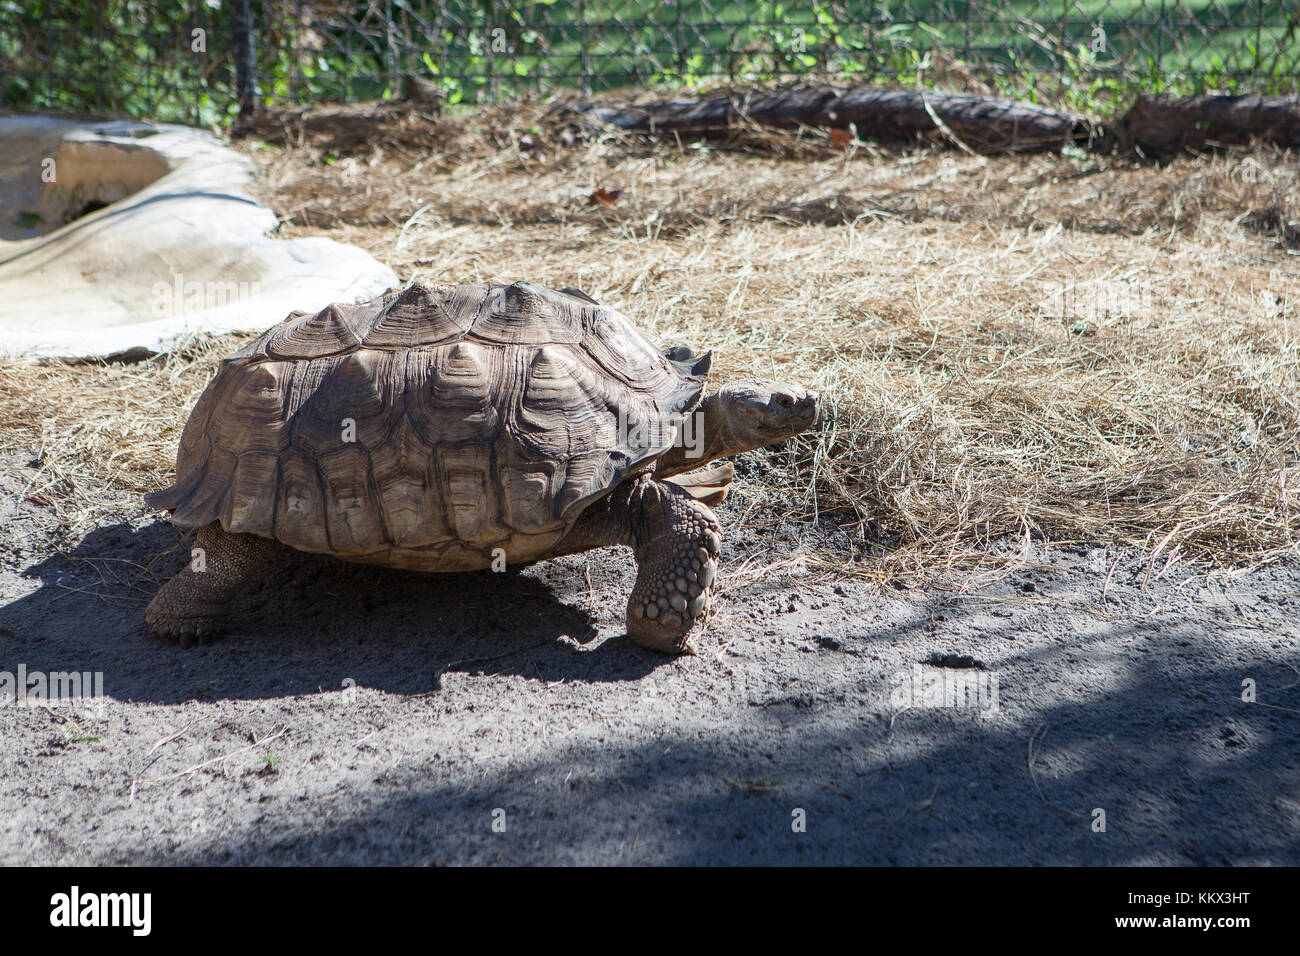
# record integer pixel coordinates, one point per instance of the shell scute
(351, 514)
(418, 317)
(410, 498)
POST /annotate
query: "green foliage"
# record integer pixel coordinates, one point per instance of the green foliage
(123, 56)
(136, 56)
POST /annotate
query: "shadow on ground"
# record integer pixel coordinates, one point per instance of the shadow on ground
(1195, 780)
(298, 624)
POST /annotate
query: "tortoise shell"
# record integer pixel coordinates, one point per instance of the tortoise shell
(428, 428)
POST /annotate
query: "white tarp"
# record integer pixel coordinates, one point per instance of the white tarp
(180, 247)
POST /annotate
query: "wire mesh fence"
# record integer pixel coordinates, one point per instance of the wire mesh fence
(179, 59)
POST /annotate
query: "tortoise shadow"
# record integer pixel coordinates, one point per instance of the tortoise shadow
(306, 624)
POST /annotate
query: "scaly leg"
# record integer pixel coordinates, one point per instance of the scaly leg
(676, 540)
(194, 603)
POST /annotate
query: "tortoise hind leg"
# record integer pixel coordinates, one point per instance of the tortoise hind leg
(195, 603)
(676, 540)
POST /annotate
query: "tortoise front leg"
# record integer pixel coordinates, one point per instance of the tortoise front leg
(195, 603)
(676, 540)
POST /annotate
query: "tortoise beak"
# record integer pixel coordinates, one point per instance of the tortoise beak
(801, 406)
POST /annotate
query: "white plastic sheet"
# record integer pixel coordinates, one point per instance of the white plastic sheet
(179, 246)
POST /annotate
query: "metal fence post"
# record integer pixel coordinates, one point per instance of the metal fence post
(1259, 31)
(490, 84)
(390, 49)
(441, 32)
(871, 39)
(679, 41)
(1160, 41)
(99, 64)
(241, 13)
(584, 32)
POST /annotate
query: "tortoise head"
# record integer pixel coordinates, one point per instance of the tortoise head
(757, 412)
(740, 417)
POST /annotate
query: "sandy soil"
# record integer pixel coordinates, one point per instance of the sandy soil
(316, 731)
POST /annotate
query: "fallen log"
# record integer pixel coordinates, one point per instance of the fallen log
(979, 124)
(1161, 126)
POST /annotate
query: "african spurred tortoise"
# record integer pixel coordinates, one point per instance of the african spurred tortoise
(456, 428)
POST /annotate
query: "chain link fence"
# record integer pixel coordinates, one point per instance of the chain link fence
(187, 59)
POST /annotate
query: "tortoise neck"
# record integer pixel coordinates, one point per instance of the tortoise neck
(701, 438)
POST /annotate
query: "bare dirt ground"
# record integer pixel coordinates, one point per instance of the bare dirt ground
(1087, 513)
(313, 733)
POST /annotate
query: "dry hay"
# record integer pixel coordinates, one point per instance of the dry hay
(1073, 348)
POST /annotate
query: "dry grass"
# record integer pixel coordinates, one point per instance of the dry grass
(97, 427)
(1072, 348)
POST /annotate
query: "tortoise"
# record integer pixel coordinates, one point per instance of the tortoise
(458, 428)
